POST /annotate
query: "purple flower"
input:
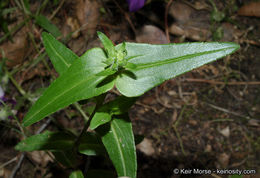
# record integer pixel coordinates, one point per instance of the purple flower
(1, 93)
(134, 5)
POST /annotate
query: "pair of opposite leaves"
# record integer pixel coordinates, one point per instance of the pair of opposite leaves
(133, 68)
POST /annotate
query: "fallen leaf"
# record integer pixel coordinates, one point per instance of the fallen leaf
(16, 51)
(190, 22)
(250, 9)
(208, 148)
(40, 157)
(151, 34)
(223, 159)
(195, 23)
(87, 12)
(74, 25)
(5, 173)
(254, 122)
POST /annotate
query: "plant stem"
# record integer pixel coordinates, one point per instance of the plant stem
(86, 126)
(100, 101)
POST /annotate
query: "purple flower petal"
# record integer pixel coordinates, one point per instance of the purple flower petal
(134, 5)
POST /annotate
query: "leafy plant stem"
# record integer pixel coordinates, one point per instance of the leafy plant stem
(41, 8)
(78, 107)
(18, 87)
(213, 5)
(25, 11)
(18, 4)
(87, 124)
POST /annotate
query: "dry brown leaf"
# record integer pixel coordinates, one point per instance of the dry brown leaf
(251, 9)
(40, 157)
(223, 159)
(15, 52)
(87, 12)
(74, 25)
(190, 22)
(151, 34)
(5, 173)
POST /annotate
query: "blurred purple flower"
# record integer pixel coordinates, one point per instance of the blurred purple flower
(4, 99)
(1, 93)
(134, 5)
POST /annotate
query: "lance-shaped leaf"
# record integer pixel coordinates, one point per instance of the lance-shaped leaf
(47, 141)
(47, 25)
(77, 83)
(99, 173)
(157, 63)
(60, 56)
(91, 145)
(108, 44)
(118, 139)
(116, 107)
(76, 174)
(68, 158)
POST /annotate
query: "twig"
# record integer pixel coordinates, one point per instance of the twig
(8, 162)
(166, 20)
(175, 125)
(57, 9)
(17, 167)
(44, 125)
(227, 111)
(220, 83)
(127, 17)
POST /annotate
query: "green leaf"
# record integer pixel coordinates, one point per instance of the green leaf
(60, 56)
(68, 157)
(99, 118)
(118, 139)
(106, 72)
(47, 25)
(108, 44)
(47, 141)
(116, 107)
(77, 83)
(157, 63)
(99, 173)
(91, 145)
(76, 174)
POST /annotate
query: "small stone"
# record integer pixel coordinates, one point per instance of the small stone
(208, 148)
(225, 132)
(146, 147)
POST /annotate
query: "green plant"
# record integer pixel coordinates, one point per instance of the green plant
(134, 69)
